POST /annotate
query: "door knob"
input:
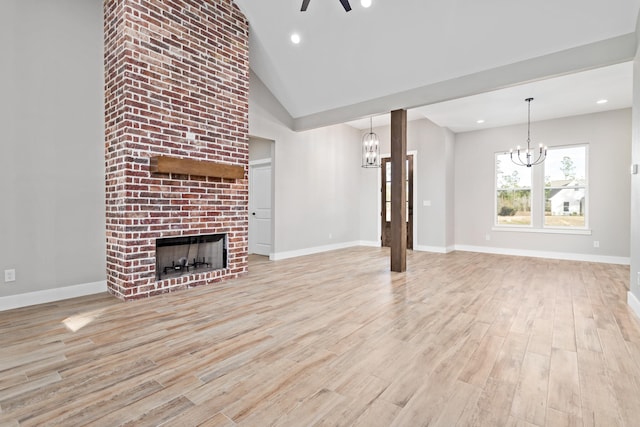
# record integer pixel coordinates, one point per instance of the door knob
(253, 213)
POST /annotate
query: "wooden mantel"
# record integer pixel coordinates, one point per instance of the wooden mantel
(165, 164)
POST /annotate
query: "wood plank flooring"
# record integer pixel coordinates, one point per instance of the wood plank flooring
(336, 339)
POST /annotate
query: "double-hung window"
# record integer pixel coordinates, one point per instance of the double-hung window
(552, 195)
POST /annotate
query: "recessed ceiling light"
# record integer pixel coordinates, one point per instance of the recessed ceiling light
(295, 38)
(480, 121)
(602, 101)
(365, 3)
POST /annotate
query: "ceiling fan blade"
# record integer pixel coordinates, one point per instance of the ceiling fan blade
(346, 5)
(305, 5)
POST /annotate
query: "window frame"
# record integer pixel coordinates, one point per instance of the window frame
(538, 198)
(585, 187)
(495, 197)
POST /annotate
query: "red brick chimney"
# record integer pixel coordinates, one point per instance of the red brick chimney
(176, 88)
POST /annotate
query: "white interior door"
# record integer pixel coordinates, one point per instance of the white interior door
(260, 240)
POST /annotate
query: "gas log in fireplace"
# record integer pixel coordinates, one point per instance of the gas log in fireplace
(177, 256)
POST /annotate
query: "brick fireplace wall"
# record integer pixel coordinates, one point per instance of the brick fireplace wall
(176, 84)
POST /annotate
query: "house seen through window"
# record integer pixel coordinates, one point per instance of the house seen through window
(551, 195)
(565, 187)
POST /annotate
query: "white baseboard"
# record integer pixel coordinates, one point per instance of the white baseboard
(51, 295)
(310, 251)
(546, 254)
(436, 249)
(634, 303)
(370, 243)
(367, 243)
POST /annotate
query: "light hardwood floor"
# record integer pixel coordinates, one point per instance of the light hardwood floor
(462, 339)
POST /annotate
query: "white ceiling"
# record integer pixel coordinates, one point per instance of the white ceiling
(563, 96)
(394, 47)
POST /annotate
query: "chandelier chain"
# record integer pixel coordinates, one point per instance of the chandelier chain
(528, 154)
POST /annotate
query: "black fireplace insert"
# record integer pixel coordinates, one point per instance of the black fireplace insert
(177, 256)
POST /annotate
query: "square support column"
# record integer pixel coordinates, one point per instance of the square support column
(398, 190)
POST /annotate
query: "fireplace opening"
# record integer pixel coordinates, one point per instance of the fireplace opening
(178, 256)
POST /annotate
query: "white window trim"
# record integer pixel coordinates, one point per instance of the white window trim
(547, 230)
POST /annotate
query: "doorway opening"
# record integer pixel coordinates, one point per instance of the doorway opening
(260, 197)
(385, 191)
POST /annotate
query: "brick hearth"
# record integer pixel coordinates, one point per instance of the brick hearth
(176, 84)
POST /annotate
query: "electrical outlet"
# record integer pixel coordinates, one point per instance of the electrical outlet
(9, 275)
(487, 237)
(638, 278)
(596, 244)
(330, 236)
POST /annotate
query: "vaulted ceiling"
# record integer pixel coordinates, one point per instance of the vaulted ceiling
(415, 53)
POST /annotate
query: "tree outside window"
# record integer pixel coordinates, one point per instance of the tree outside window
(513, 192)
(565, 171)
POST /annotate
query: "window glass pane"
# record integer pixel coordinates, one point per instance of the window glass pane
(514, 207)
(509, 175)
(565, 166)
(564, 207)
(513, 197)
(388, 190)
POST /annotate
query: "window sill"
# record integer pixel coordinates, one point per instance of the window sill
(580, 231)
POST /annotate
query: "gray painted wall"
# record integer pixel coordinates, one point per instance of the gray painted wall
(316, 177)
(433, 182)
(259, 149)
(635, 179)
(52, 226)
(609, 138)
(450, 139)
